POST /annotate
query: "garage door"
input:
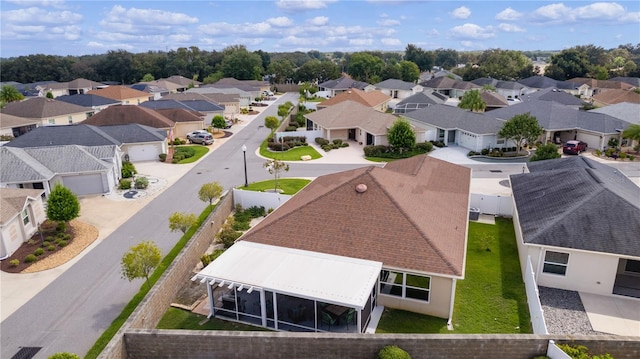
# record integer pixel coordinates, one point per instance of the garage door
(84, 184)
(143, 153)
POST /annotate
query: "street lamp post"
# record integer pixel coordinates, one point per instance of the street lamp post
(244, 155)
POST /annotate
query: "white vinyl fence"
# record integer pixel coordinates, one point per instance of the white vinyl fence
(252, 198)
(533, 299)
(554, 352)
(492, 204)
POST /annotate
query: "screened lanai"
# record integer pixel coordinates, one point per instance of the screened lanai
(290, 289)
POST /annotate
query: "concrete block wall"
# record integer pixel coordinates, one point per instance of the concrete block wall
(155, 304)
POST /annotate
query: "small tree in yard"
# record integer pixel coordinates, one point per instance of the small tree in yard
(472, 100)
(271, 122)
(545, 152)
(182, 221)
(209, 192)
(275, 168)
(140, 261)
(401, 135)
(633, 133)
(520, 129)
(62, 205)
(218, 122)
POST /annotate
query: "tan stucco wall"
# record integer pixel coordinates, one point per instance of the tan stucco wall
(439, 300)
(135, 100)
(64, 119)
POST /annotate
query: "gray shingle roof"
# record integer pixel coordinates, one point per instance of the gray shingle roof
(635, 81)
(554, 94)
(42, 107)
(343, 83)
(449, 117)
(578, 203)
(87, 100)
(626, 111)
(418, 101)
(191, 105)
(395, 84)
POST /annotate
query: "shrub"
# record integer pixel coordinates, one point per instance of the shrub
(64, 355)
(424, 146)
(632, 157)
(471, 153)
(50, 239)
(30, 258)
(321, 141)
(38, 252)
(163, 157)
(176, 141)
(185, 152)
(484, 152)
(228, 236)
(14, 262)
(337, 142)
(374, 151)
(613, 142)
(124, 184)
(51, 248)
(598, 153)
(208, 258)
(344, 144)
(291, 128)
(623, 155)
(393, 352)
(46, 243)
(62, 243)
(61, 227)
(128, 169)
(141, 183)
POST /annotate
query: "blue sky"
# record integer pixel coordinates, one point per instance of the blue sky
(59, 27)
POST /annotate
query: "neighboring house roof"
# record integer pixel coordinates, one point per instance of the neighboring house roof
(215, 97)
(379, 214)
(191, 105)
(152, 89)
(14, 200)
(634, 81)
(554, 116)
(81, 83)
(230, 81)
(86, 100)
(498, 84)
(419, 100)
(343, 83)
(351, 114)
(206, 90)
(449, 117)
(183, 81)
(629, 112)
(493, 99)
(42, 107)
(181, 115)
(10, 121)
(42, 163)
(447, 73)
(394, 84)
(159, 84)
(553, 94)
(123, 115)
(601, 84)
(578, 203)
(370, 99)
(118, 93)
(611, 97)
(235, 87)
(443, 83)
(543, 82)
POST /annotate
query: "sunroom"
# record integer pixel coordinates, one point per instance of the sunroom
(290, 289)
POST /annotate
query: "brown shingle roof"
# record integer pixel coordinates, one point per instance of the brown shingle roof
(611, 97)
(180, 114)
(350, 114)
(126, 114)
(413, 215)
(601, 84)
(371, 98)
(119, 93)
(42, 108)
(10, 121)
(492, 99)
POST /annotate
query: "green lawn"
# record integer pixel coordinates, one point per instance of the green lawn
(293, 154)
(200, 151)
(491, 298)
(175, 318)
(287, 185)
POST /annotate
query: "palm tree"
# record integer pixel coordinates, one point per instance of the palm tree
(471, 100)
(10, 94)
(633, 133)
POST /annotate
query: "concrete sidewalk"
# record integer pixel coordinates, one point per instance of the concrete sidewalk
(612, 314)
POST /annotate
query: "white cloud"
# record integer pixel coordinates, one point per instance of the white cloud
(318, 21)
(246, 29)
(361, 42)
(391, 42)
(508, 14)
(388, 22)
(462, 12)
(36, 15)
(297, 5)
(603, 12)
(281, 21)
(472, 31)
(134, 16)
(433, 33)
(552, 13)
(38, 3)
(510, 28)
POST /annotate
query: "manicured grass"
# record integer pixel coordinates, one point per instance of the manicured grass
(287, 185)
(293, 154)
(175, 318)
(200, 151)
(380, 159)
(491, 298)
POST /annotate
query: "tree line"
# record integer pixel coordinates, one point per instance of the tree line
(124, 67)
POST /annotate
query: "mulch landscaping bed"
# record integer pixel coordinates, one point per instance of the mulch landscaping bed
(48, 230)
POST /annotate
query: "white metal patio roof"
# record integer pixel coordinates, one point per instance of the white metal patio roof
(324, 277)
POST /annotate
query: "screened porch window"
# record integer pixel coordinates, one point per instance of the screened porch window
(405, 285)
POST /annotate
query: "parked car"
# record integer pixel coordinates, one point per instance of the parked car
(228, 123)
(202, 138)
(267, 93)
(196, 132)
(574, 147)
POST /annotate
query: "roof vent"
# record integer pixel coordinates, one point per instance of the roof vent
(361, 188)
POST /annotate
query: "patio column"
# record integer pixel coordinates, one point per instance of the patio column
(210, 297)
(263, 308)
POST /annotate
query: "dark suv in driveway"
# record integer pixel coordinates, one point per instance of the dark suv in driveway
(202, 138)
(574, 147)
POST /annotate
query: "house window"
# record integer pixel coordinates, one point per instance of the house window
(405, 285)
(70, 119)
(555, 263)
(500, 141)
(25, 217)
(52, 121)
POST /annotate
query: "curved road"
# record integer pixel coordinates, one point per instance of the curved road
(72, 311)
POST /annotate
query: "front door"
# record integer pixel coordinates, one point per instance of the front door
(627, 278)
(451, 136)
(369, 139)
(352, 134)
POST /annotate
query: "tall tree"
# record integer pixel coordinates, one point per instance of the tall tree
(504, 64)
(365, 67)
(271, 122)
(401, 135)
(521, 129)
(210, 191)
(281, 69)
(569, 64)
(218, 122)
(241, 64)
(471, 100)
(409, 71)
(179, 221)
(62, 205)
(140, 261)
(446, 58)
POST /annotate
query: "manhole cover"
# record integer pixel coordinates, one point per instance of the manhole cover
(130, 194)
(505, 183)
(26, 353)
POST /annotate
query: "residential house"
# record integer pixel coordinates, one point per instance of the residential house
(156, 91)
(625, 111)
(538, 82)
(449, 87)
(135, 142)
(48, 111)
(633, 81)
(85, 170)
(348, 244)
(164, 86)
(597, 86)
(97, 103)
(493, 100)
(351, 121)
(556, 95)
(229, 102)
(397, 89)
(456, 126)
(82, 86)
(344, 83)
(577, 222)
(374, 99)
(21, 212)
(242, 97)
(612, 97)
(418, 101)
(14, 126)
(184, 82)
(126, 95)
(259, 86)
(205, 108)
(508, 89)
(186, 121)
(124, 115)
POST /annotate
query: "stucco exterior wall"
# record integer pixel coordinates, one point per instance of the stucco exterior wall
(64, 119)
(439, 300)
